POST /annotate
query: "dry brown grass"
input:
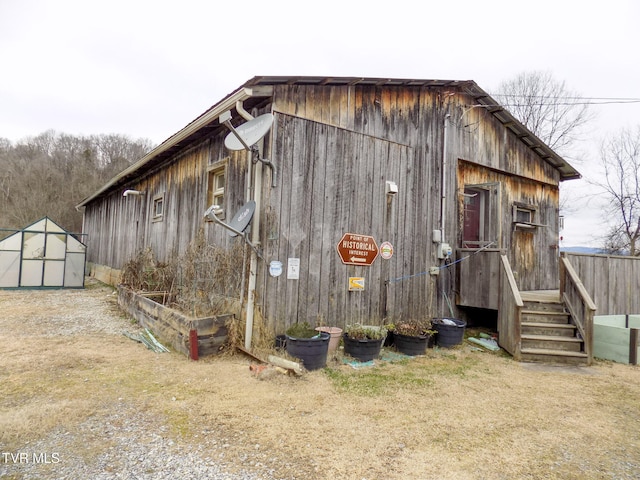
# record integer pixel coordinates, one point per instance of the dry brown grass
(453, 414)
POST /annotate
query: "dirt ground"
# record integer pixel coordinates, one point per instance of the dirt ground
(69, 377)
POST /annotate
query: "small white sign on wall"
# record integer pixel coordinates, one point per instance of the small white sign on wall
(275, 268)
(293, 268)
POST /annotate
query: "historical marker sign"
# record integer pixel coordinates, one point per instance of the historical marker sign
(357, 249)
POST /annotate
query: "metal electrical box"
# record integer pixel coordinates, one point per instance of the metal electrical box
(444, 250)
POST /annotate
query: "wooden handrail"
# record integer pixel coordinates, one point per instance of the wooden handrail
(513, 286)
(509, 311)
(579, 303)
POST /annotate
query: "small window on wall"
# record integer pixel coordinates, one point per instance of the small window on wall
(524, 217)
(215, 189)
(158, 208)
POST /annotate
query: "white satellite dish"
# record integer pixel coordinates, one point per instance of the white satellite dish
(251, 132)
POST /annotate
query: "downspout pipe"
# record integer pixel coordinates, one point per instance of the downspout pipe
(242, 112)
(443, 186)
(443, 179)
(254, 192)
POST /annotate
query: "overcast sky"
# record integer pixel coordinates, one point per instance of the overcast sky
(147, 68)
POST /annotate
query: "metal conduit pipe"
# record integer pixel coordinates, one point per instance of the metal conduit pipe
(443, 180)
(254, 192)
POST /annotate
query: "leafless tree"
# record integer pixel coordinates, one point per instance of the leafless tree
(547, 107)
(620, 160)
(47, 175)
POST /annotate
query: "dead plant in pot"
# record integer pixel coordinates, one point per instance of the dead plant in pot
(413, 336)
(415, 327)
(365, 332)
(363, 342)
(301, 330)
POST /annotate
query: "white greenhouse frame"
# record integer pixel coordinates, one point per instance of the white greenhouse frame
(42, 255)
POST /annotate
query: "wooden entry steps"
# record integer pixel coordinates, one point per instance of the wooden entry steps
(547, 333)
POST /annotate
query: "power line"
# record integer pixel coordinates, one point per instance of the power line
(568, 100)
(563, 97)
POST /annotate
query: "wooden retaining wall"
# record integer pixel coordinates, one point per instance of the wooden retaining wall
(108, 275)
(172, 327)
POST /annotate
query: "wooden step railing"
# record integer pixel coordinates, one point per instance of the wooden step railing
(509, 310)
(579, 304)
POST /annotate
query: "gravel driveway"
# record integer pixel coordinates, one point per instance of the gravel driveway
(140, 446)
(80, 400)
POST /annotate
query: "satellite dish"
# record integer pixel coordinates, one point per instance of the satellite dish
(251, 132)
(241, 219)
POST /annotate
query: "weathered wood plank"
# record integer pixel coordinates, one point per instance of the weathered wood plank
(334, 147)
(612, 281)
(479, 278)
(509, 310)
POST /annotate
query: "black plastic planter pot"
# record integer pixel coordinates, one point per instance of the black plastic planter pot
(411, 345)
(362, 350)
(449, 335)
(281, 342)
(311, 351)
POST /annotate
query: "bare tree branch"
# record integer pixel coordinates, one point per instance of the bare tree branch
(47, 175)
(620, 161)
(547, 108)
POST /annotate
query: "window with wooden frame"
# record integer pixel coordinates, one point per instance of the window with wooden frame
(216, 188)
(481, 216)
(524, 216)
(158, 208)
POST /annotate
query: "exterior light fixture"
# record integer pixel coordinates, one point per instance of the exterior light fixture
(132, 192)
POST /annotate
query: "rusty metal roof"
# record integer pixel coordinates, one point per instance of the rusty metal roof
(255, 90)
(395, 82)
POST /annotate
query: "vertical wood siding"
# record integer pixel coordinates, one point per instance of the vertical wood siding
(119, 227)
(533, 254)
(333, 182)
(334, 148)
(613, 282)
(382, 133)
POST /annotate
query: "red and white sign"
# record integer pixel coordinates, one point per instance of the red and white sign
(357, 249)
(386, 250)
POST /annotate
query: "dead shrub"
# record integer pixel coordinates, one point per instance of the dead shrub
(144, 273)
(206, 280)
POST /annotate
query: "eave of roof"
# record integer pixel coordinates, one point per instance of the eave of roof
(261, 86)
(482, 99)
(198, 128)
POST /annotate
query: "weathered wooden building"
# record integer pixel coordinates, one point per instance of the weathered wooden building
(438, 169)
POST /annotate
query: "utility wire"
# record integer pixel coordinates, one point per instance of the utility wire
(542, 104)
(564, 97)
(446, 265)
(547, 100)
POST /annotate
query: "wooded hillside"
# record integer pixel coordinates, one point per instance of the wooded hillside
(49, 174)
